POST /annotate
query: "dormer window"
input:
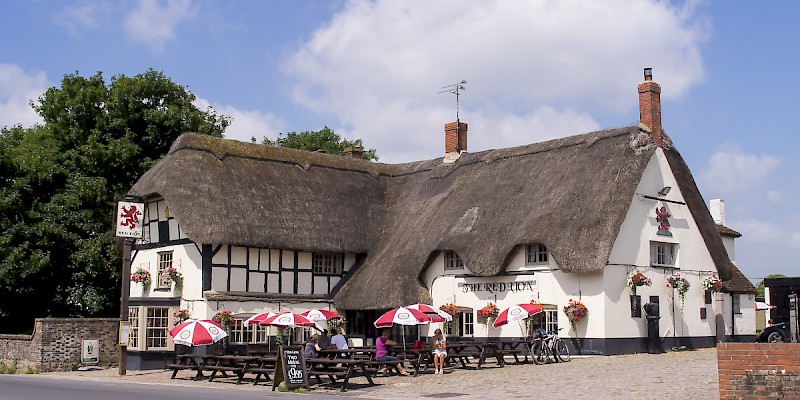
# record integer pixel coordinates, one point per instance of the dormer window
(536, 254)
(662, 254)
(452, 260)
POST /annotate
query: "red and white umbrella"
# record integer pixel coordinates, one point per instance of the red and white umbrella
(196, 332)
(258, 318)
(288, 320)
(320, 315)
(516, 312)
(435, 315)
(402, 316)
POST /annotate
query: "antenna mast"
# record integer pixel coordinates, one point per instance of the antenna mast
(456, 90)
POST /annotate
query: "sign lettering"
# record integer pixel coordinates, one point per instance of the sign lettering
(498, 287)
(291, 368)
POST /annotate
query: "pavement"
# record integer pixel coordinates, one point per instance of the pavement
(672, 375)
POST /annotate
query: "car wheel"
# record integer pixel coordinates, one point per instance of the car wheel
(775, 337)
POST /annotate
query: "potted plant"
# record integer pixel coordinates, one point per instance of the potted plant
(489, 312)
(141, 276)
(575, 311)
(712, 283)
(170, 275)
(180, 316)
(451, 309)
(636, 279)
(224, 318)
(678, 282)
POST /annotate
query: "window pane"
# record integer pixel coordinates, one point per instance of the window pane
(157, 327)
(133, 334)
(164, 262)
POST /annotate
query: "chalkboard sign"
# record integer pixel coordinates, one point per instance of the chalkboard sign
(291, 368)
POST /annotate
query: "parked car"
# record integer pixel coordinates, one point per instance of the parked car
(777, 333)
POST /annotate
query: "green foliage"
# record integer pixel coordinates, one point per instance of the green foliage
(59, 182)
(324, 139)
(8, 369)
(30, 370)
(760, 285)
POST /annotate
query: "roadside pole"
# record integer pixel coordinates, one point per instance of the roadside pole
(123, 301)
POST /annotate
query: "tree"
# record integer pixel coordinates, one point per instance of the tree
(324, 139)
(59, 183)
(760, 285)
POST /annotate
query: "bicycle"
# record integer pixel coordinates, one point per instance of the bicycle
(550, 346)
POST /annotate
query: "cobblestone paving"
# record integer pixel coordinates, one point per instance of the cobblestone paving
(674, 375)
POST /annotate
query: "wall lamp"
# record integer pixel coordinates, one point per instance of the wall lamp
(664, 191)
(661, 193)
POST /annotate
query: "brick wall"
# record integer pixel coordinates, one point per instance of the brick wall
(759, 370)
(56, 343)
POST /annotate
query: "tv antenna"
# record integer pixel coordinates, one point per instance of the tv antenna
(455, 89)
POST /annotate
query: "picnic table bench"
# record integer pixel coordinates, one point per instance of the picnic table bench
(480, 351)
(344, 368)
(191, 362)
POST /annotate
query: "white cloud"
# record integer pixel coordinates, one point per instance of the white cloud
(759, 230)
(246, 123)
(17, 89)
(153, 22)
(378, 65)
(730, 169)
(86, 14)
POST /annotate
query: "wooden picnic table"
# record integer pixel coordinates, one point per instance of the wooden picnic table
(192, 362)
(479, 350)
(368, 353)
(337, 368)
(241, 365)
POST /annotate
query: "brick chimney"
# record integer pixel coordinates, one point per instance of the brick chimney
(455, 137)
(650, 106)
(353, 152)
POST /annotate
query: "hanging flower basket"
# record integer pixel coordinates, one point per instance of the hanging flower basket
(180, 316)
(678, 282)
(224, 318)
(141, 276)
(170, 275)
(489, 313)
(712, 283)
(450, 308)
(575, 311)
(636, 279)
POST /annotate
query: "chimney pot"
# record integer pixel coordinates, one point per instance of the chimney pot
(648, 74)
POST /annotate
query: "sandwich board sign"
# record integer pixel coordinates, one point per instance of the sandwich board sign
(291, 368)
(90, 353)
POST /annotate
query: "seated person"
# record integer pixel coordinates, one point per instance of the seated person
(382, 353)
(439, 346)
(338, 339)
(311, 349)
(324, 340)
(537, 332)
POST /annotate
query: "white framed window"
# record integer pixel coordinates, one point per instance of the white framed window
(254, 333)
(736, 301)
(467, 323)
(551, 320)
(164, 262)
(328, 263)
(536, 254)
(133, 333)
(663, 254)
(452, 260)
(157, 330)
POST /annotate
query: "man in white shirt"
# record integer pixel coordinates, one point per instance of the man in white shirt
(338, 339)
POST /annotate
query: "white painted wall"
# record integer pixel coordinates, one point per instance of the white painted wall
(186, 258)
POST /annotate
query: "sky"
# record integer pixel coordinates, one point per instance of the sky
(535, 70)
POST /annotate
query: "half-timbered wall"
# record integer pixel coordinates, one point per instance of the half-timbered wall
(159, 225)
(256, 270)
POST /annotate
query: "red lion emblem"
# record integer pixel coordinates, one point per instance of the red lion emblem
(130, 216)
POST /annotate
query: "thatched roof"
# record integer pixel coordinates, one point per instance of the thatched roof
(225, 191)
(725, 231)
(738, 283)
(570, 194)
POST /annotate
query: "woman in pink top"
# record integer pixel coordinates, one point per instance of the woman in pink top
(382, 353)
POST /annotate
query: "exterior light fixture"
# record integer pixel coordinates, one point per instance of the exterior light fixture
(664, 191)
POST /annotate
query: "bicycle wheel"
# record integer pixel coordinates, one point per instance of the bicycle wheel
(562, 351)
(539, 353)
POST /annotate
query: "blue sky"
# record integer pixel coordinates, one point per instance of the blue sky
(536, 70)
